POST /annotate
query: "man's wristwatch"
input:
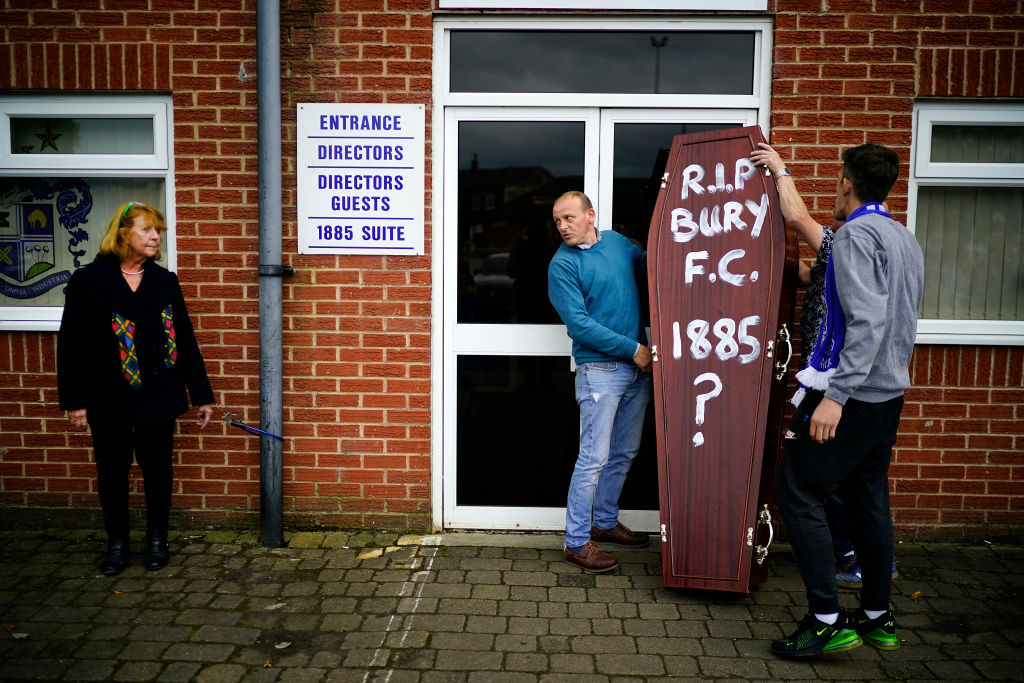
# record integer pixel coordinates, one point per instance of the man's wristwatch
(783, 172)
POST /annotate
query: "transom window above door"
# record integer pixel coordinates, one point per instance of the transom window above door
(590, 61)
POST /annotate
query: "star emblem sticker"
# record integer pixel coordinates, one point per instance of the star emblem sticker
(49, 139)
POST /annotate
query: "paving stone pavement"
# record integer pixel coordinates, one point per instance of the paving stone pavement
(467, 607)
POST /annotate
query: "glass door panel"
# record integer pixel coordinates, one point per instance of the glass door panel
(510, 173)
(510, 449)
(640, 151)
(518, 431)
(634, 149)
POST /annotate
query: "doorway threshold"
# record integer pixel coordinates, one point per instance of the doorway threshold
(502, 539)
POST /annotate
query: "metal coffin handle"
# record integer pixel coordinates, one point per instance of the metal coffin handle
(781, 365)
(761, 551)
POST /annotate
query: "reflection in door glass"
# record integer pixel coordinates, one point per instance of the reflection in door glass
(518, 435)
(510, 173)
(518, 431)
(641, 150)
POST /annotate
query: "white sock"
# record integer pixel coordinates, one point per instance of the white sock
(874, 613)
(829, 619)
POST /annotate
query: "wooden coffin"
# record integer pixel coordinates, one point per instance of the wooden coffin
(718, 255)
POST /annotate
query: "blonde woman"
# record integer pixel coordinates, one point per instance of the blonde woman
(126, 355)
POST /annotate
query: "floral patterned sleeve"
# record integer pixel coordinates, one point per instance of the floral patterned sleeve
(814, 299)
(827, 237)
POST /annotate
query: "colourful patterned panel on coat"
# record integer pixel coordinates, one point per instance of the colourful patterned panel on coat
(124, 329)
(170, 345)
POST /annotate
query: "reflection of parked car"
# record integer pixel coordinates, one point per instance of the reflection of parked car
(493, 298)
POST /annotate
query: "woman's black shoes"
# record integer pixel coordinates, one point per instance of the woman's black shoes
(158, 553)
(117, 557)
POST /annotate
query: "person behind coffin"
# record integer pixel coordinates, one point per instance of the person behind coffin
(819, 238)
(845, 426)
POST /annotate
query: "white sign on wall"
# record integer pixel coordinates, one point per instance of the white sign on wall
(360, 171)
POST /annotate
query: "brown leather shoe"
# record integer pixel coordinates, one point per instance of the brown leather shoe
(591, 559)
(619, 535)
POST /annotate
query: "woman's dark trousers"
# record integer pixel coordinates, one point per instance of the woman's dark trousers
(152, 447)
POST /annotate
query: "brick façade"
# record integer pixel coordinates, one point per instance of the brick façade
(357, 330)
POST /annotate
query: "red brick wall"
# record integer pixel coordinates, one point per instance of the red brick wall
(357, 340)
(959, 459)
(847, 72)
(357, 330)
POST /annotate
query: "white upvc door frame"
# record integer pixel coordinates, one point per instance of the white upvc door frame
(449, 339)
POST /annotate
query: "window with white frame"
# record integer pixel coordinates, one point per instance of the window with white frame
(967, 211)
(66, 164)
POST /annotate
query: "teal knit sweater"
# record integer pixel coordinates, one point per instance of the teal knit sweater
(594, 291)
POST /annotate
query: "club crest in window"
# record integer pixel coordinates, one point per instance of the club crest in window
(40, 233)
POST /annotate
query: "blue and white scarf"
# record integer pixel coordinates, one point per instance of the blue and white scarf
(824, 358)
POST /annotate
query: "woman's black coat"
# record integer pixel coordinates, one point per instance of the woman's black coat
(88, 355)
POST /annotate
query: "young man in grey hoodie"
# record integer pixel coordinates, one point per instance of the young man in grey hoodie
(844, 429)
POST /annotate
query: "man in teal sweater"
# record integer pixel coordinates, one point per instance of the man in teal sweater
(592, 285)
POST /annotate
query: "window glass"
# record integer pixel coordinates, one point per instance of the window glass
(680, 62)
(497, 458)
(517, 418)
(978, 144)
(510, 173)
(51, 226)
(973, 244)
(30, 135)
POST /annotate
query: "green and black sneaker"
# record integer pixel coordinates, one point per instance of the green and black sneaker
(813, 637)
(880, 632)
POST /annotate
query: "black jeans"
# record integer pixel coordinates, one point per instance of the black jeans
(152, 446)
(857, 460)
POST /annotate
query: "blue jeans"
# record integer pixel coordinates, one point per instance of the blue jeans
(613, 398)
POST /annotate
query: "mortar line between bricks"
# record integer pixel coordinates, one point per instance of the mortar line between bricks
(416, 593)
